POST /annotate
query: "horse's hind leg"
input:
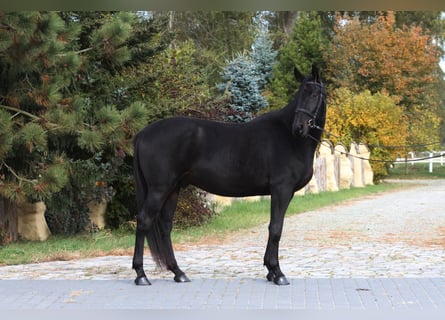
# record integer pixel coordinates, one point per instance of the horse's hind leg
(141, 278)
(166, 224)
(144, 222)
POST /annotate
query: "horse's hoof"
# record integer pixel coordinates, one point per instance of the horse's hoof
(181, 278)
(142, 281)
(270, 276)
(281, 281)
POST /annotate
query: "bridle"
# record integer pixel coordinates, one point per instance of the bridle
(313, 116)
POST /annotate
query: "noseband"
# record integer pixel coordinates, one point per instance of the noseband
(311, 121)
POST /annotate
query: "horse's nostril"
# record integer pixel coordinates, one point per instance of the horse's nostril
(301, 129)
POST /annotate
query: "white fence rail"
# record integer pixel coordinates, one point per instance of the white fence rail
(430, 157)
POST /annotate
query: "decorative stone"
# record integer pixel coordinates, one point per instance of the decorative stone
(357, 166)
(222, 201)
(252, 198)
(343, 167)
(313, 185)
(31, 221)
(97, 211)
(327, 152)
(368, 175)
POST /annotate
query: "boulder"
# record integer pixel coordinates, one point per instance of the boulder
(368, 175)
(343, 167)
(31, 221)
(97, 211)
(327, 152)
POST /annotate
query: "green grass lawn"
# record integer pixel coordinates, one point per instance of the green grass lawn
(417, 171)
(240, 215)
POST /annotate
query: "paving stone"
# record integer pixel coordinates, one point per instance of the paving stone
(383, 252)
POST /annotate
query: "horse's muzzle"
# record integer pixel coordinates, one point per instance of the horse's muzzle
(301, 128)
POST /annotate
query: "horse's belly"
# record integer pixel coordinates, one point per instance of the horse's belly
(233, 192)
(229, 185)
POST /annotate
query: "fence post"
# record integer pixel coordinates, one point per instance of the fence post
(431, 162)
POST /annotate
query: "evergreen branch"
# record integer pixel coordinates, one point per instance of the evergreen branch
(29, 82)
(7, 27)
(77, 52)
(30, 115)
(84, 50)
(49, 125)
(16, 175)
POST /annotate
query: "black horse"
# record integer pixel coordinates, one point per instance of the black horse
(270, 155)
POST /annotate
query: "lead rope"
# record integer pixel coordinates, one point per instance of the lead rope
(314, 126)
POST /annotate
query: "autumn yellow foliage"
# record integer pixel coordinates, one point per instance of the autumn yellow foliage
(393, 81)
(374, 119)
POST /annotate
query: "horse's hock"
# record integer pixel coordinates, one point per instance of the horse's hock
(31, 221)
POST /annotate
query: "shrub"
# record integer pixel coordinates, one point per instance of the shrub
(67, 211)
(193, 208)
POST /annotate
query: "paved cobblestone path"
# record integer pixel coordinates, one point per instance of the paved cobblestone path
(382, 252)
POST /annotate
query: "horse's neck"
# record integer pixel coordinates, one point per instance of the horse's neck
(286, 115)
(310, 145)
(289, 111)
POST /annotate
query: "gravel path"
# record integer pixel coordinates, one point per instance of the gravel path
(395, 234)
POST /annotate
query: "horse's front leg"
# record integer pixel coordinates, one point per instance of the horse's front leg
(166, 224)
(280, 199)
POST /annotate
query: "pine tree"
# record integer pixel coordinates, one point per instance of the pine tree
(59, 102)
(35, 69)
(217, 35)
(305, 47)
(111, 114)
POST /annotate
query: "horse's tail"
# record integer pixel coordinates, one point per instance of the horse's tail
(153, 234)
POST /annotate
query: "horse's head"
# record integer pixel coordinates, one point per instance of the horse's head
(310, 103)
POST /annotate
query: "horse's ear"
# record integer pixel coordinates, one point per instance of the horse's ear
(298, 75)
(315, 73)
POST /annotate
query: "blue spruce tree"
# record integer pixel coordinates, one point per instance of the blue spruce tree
(263, 57)
(241, 83)
(245, 76)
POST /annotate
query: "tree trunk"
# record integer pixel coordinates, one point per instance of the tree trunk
(8, 221)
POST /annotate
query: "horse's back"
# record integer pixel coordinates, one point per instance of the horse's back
(165, 149)
(222, 158)
(215, 156)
